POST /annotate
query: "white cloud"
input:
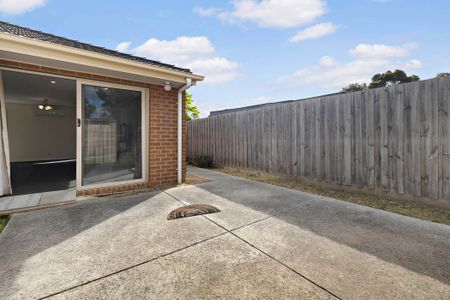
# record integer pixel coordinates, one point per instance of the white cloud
(270, 13)
(207, 12)
(195, 53)
(414, 64)
(337, 76)
(180, 50)
(123, 47)
(380, 50)
(17, 7)
(329, 73)
(314, 32)
(216, 69)
(327, 61)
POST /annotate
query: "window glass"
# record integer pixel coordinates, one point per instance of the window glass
(112, 127)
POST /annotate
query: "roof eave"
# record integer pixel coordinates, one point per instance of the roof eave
(27, 46)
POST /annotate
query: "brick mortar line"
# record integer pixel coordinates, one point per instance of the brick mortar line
(264, 253)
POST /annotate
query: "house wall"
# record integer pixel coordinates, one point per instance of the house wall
(35, 138)
(163, 137)
(162, 131)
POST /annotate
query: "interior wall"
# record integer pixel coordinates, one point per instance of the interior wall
(35, 138)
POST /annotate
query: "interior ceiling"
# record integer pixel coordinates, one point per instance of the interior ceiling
(32, 89)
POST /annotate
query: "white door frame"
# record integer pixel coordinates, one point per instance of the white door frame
(144, 123)
(144, 133)
(7, 188)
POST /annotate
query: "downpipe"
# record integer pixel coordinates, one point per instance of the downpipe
(180, 129)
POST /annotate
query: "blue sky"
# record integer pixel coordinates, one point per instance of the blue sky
(256, 51)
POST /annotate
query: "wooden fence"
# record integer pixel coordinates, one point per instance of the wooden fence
(392, 139)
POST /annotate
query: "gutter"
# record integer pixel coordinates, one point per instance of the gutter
(180, 129)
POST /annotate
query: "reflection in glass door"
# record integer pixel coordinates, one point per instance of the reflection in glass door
(111, 135)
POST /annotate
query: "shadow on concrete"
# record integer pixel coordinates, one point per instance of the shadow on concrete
(31, 233)
(420, 246)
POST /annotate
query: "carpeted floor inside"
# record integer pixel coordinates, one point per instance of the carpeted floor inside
(38, 177)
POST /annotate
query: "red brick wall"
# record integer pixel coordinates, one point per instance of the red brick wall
(162, 131)
(163, 137)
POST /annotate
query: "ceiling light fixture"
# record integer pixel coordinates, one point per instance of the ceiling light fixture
(167, 86)
(53, 82)
(45, 105)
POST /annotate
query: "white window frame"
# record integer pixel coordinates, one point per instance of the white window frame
(145, 113)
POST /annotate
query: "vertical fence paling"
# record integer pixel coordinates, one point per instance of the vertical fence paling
(392, 139)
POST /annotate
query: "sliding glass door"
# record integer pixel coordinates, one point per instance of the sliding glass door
(111, 128)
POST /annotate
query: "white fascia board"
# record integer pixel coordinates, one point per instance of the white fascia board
(26, 46)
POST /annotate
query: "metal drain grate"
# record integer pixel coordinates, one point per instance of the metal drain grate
(192, 210)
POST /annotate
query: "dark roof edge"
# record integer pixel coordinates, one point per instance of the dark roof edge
(231, 110)
(95, 49)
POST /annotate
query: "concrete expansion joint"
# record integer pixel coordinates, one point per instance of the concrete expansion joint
(131, 267)
(261, 251)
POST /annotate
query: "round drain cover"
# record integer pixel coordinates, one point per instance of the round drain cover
(192, 210)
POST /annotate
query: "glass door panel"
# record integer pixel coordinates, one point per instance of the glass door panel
(111, 135)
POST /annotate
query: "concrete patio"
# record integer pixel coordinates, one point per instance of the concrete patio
(267, 242)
